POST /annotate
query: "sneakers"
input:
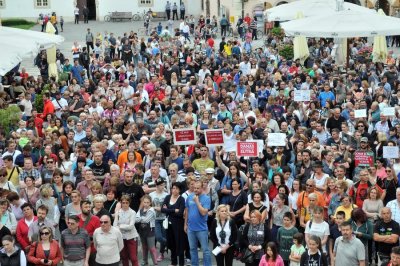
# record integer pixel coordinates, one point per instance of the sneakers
(188, 262)
(160, 257)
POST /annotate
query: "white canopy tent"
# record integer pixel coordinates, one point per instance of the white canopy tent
(309, 8)
(17, 44)
(343, 24)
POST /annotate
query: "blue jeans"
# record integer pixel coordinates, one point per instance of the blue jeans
(161, 235)
(202, 237)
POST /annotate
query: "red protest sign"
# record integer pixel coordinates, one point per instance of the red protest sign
(364, 158)
(184, 136)
(247, 148)
(214, 137)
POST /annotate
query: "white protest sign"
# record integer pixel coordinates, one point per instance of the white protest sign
(390, 152)
(302, 95)
(389, 111)
(276, 139)
(360, 113)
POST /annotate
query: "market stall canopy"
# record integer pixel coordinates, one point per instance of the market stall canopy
(309, 8)
(17, 44)
(343, 24)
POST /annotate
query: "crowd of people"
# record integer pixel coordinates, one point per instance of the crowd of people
(94, 169)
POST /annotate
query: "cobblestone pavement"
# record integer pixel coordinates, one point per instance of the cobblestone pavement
(76, 32)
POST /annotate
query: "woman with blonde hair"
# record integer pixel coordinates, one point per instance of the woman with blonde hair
(256, 235)
(46, 198)
(223, 234)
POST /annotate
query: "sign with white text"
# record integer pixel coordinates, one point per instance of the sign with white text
(214, 137)
(247, 148)
(184, 136)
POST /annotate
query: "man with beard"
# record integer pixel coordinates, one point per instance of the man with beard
(90, 223)
(41, 221)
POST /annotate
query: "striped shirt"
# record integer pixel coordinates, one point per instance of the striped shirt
(75, 245)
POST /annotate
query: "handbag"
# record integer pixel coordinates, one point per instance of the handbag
(165, 223)
(248, 257)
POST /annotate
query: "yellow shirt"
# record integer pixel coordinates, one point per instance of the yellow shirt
(228, 49)
(347, 211)
(200, 165)
(14, 175)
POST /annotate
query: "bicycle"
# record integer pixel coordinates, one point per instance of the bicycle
(107, 18)
(141, 16)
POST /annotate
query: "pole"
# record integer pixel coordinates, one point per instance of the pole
(347, 52)
(242, 8)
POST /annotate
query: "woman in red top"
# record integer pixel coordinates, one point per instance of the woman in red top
(46, 251)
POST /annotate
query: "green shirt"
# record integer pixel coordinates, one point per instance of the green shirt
(285, 241)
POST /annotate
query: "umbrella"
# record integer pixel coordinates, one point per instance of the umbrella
(309, 8)
(25, 44)
(343, 24)
(51, 53)
(300, 47)
(380, 51)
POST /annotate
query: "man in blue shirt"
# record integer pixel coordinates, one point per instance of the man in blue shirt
(326, 95)
(196, 215)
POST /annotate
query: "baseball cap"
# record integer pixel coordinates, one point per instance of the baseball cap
(364, 139)
(210, 171)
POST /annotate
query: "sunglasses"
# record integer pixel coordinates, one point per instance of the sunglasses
(104, 222)
(121, 145)
(50, 161)
(45, 233)
(309, 185)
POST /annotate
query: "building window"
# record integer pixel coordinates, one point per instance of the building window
(41, 3)
(146, 3)
(2, 3)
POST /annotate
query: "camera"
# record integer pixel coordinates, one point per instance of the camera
(46, 261)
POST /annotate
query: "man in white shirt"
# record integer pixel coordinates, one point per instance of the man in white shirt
(108, 242)
(394, 206)
(94, 107)
(203, 72)
(245, 66)
(25, 101)
(127, 92)
(60, 104)
(11, 150)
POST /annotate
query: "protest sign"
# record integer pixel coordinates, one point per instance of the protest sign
(184, 136)
(214, 137)
(276, 139)
(360, 113)
(247, 148)
(364, 158)
(389, 111)
(390, 152)
(302, 95)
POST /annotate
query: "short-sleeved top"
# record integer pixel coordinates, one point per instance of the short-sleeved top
(318, 229)
(196, 221)
(389, 228)
(350, 251)
(277, 217)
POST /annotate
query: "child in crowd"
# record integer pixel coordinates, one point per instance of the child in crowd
(314, 256)
(285, 236)
(271, 257)
(296, 250)
(335, 229)
(146, 217)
